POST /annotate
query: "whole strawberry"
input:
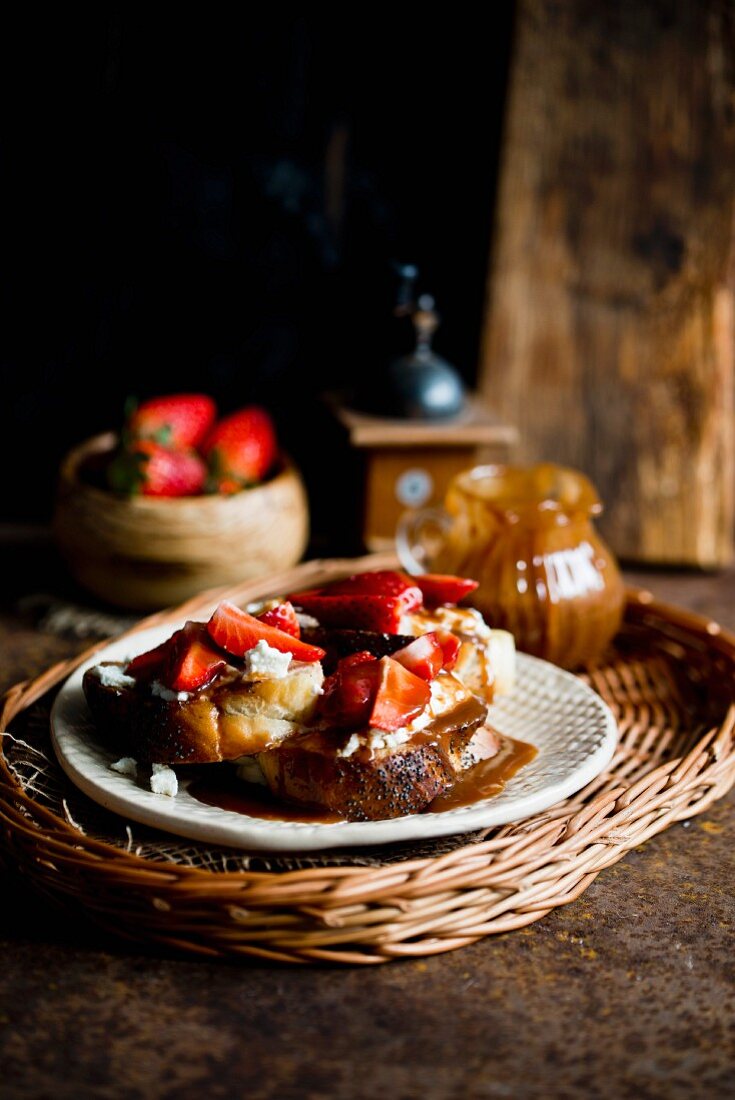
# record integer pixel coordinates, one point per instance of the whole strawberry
(180, 420)
(148, 469)
(240, 450)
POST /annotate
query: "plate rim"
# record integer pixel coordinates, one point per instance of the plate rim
(160, 812)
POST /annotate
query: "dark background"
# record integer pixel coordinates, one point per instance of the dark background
(200, 202)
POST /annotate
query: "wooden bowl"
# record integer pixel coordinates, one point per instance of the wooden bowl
(145, 553)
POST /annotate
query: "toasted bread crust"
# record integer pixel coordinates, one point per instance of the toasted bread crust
(368, 786)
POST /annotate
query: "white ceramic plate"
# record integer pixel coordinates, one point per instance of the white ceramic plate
(573, 729)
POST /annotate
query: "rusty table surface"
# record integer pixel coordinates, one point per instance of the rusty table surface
(627, 992)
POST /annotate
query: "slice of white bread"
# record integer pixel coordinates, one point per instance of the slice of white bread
(502, 653)
(235, 716)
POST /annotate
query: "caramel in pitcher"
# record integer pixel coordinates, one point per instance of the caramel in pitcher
(544, 573)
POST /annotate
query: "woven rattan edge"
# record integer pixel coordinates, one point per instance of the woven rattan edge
(356, 914)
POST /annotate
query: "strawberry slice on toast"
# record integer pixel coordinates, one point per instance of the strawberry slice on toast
(236, 631)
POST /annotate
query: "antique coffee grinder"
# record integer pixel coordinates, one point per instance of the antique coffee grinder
(413, 422)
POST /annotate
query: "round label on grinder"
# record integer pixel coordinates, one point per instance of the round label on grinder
(414, 487)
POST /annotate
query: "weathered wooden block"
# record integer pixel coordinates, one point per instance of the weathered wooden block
(609, 337)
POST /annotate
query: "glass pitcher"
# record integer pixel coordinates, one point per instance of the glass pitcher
(526, 535)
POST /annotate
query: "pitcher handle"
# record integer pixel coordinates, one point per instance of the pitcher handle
(413, 552)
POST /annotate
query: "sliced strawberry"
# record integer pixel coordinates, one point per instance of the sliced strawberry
(177, 421)
(399, 698)
(373, 601)
(379, 582)
(193, 662)
(184, 662)
(283, 617)
(349, 692)
(365, 691)
(377, 613)
(424, 656)
(441, 589)
(147, 666)
(241, 449)
(451, 645)
(152, 470)
(364, 656)
(236, 631)
(331, 705)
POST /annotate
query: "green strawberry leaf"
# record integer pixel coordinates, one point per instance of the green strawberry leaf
(126, 471)
(215, 472)
(129, 407)
(162, 435)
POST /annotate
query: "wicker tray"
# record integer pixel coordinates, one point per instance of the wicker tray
(669, 680)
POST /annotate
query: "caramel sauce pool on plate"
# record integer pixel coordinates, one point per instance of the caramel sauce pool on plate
(486, 779)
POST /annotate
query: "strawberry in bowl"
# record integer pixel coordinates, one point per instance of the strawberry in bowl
(150, 469)
(178, 421)
(240, 450)
(176, 446)
(179, 501)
